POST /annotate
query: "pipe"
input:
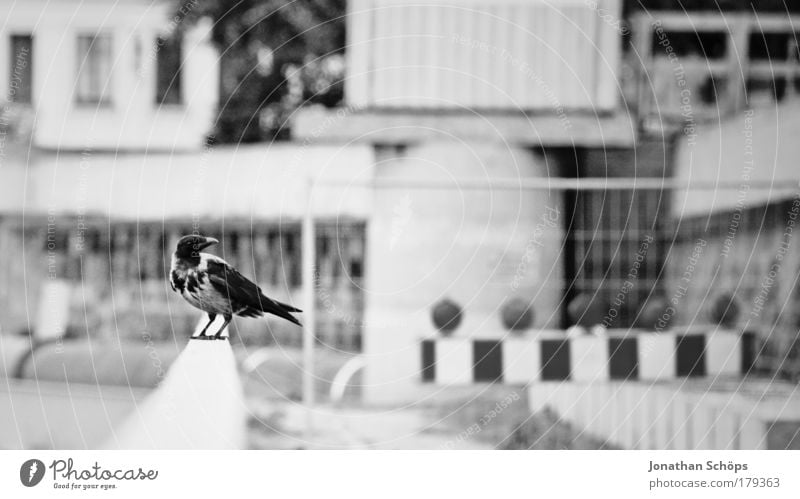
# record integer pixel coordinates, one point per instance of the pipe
(343, 376)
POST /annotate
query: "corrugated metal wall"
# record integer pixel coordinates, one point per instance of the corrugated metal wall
(484, 54)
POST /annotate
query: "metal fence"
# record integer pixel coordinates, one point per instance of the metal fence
(117, 274)
(645, 264)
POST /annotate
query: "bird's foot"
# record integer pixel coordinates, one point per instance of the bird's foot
(203, 337)
(218, 337)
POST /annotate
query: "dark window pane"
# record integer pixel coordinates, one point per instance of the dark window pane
(769, 46)
(168, 71)
(21, 69)
(94, 69)
(612, 258)
(708, 44)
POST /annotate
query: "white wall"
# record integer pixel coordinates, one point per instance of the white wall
(754, 147)
(498, 54)
(134, 120)
(249, 181)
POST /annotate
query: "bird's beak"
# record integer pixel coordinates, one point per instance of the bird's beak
(210, 241)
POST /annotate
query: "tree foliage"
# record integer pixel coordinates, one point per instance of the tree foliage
(275, 56)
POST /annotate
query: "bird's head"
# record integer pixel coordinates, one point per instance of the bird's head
(189, 247)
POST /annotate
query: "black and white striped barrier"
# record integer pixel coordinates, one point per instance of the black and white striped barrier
(553, 355)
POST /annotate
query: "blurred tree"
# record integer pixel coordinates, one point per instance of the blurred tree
(276, 55)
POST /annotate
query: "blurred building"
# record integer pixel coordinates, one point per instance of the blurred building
(737, 79)
(87, 85)
(486, 152)
(107, 158)
(454, 99)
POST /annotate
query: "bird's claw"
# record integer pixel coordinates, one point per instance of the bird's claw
(203, 337)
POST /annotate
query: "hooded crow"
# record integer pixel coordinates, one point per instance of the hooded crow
(209, 283)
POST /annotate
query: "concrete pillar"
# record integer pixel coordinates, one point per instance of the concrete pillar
(476, 247)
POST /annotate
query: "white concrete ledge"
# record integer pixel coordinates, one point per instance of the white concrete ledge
(402, 126)
(199, 405)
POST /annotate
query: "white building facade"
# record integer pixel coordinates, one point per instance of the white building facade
(122, 76)
(106, 160)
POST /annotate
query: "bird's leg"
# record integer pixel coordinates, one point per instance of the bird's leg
(222, 328)
(202, 334)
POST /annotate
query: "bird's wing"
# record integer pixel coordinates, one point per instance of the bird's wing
(232, 284)
(237, 288)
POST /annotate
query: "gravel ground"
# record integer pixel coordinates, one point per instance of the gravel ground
(498, 416)
(476, 417)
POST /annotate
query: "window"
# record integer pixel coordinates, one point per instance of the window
(21, 69)
(168, 71)
(769, 46)
(94, 69)
(705, 44)
(614, 251)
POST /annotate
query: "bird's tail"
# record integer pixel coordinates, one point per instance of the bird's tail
(280, 309)
(288, 308)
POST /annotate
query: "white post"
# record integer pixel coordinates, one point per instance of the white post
(308, 258)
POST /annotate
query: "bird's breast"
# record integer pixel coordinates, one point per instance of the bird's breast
(178, 280)
(196, 288)
(186, 278)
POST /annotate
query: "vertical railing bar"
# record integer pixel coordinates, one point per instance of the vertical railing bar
(308, 260)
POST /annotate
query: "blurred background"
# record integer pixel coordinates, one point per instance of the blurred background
(545, 224)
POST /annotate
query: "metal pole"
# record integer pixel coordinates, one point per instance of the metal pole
(562, 183)
(308, 259)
